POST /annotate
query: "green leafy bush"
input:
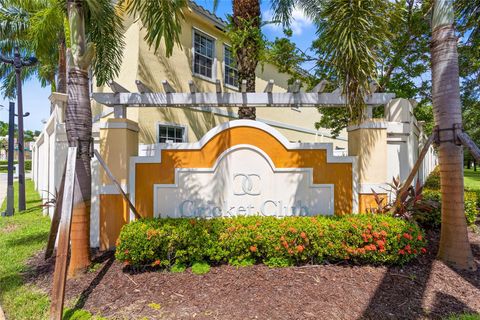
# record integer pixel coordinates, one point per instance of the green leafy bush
(433, 180)
(433, 218)
(375, 239)
(28, 164)
(431, 192)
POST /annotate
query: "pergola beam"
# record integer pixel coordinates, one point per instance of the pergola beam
(234, 99)
(167, 87)
(116, 87)
(192, 86)
(119, 110)
(142, 88)
(243, 87)
(269, 86)
(320, 87)
(218, 86)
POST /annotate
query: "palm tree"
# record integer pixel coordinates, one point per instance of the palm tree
(15, 22)
(106, 38)
(351, 35)
(39, 27)
(246, 20)
(454, 244)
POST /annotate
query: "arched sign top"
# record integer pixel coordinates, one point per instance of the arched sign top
(244, 144)
(328, 147)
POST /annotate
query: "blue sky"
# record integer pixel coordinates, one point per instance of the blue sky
(35, 98)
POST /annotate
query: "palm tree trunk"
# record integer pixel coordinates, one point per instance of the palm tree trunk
(78, 120)
(245, 11)
(62, 66)
(454, 245)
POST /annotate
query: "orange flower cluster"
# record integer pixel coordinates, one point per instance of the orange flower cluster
(156, 263)
(151, 233)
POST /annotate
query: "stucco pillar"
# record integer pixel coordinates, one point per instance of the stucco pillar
(368, 142)
(118, 142)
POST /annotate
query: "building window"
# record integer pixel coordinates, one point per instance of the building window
(203, 55)
(171, 133)
(231, 72)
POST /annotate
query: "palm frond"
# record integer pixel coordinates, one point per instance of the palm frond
(8, 85)
(45, 32)
(105, 30)
(13, 21)
(350, 36)
(162, 19)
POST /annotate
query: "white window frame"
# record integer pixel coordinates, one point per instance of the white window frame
(225, 46)
(171, 124)
(214, 63)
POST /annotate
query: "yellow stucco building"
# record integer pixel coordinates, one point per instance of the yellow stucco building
(204, 57)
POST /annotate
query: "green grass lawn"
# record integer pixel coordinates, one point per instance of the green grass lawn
(471, 316)
(472, 179)
(21, 236)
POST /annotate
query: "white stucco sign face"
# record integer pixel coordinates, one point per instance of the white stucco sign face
(243, 181)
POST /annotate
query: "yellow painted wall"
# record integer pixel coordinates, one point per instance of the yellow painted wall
(117, 146)
(370, 145)
(114, 214)
(367, 201)
(140, 62)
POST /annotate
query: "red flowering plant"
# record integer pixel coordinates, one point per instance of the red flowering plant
(359, 239)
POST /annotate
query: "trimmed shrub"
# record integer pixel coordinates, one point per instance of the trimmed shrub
(433, 180)
(28, 164)
(362, 239)
(433, 218)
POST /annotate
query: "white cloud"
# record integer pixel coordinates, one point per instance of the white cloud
(299, 21)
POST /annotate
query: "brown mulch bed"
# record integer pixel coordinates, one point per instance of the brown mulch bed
(424, 289)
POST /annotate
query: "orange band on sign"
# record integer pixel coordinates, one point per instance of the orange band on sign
(149, 174)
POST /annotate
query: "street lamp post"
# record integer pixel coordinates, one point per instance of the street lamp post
(18, 63)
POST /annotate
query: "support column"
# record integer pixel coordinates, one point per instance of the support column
(58, 147)
(368, 142)
(118, 142)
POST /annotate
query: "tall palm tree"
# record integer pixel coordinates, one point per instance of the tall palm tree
(246, 19)
(39, 26)
(102, 51)
(454, 244)
(351, 35)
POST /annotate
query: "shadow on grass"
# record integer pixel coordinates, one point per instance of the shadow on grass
(28, 239)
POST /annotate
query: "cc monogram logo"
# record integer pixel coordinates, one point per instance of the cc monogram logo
(246, 184)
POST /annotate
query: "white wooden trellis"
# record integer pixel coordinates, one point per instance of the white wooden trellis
(121, 98)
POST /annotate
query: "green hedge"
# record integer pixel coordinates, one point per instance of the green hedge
(431, 191)
(28, 164)
(433, 218)
(375, 239)
(433, 180)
